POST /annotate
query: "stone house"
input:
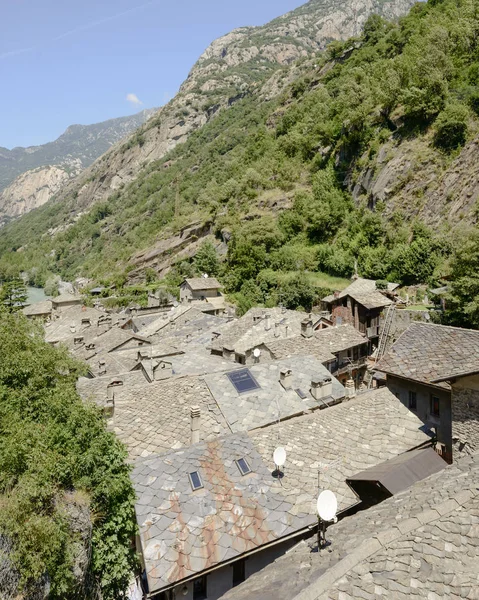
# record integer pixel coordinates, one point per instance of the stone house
(465, 411)
(64, 301)
(342, 349)
(200, 288)
(418, 369)
(361, 305)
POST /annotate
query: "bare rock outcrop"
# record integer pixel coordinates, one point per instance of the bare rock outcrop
(32, 189)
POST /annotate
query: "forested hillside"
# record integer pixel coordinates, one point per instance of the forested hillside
(289, 181)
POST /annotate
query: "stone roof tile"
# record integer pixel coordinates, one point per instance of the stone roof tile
(426, 352)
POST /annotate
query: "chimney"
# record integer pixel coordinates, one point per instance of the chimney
(276, 330)
(267, 322)
(336, 294)
(321, 387)
(101, 367)
(286, 378)
(350, 388)
(307, 328)
(228, 353)
(195, 414)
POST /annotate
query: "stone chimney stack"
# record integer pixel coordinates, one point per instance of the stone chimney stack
(267, 322)
(350, 388)
(307, 328)
(195, 414)
(321, 387)
(286, 378)
(276, 330)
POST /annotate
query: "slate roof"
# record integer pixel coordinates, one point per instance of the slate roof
(64, 298)
(427, 352)
(38, 308)
(190, 322)
(263, 406)
(184, 532)
(155, 417)
(60, 329)
(322, 345)
(250, 330)
(112, 362)
(421, 543)
(342, 440)
(365, 292)
(197, 362)
(203, 283)
(95, 390)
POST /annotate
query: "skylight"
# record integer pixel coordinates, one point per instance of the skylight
(300, 393)
(243, 466)
(195, 481)
(243, 381)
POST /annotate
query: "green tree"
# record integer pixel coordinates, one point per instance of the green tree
(59, 468)
(462, 301)
(451, 127)
(13, 294)
(206, 259)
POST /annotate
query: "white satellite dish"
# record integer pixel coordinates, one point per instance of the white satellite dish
(327, 505)
(256, 352)
(279, 456)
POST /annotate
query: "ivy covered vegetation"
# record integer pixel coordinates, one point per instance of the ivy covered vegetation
(66, 501)
(272, 174)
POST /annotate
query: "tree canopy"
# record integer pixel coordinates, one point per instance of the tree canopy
(65, 491)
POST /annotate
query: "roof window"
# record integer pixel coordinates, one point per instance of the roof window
(243, 381)
(243, 466)
(195, 481)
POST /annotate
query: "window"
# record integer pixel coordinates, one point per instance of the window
(435, 406)
(238, 572)
(412, 400)
(195, 481)
(243, 466)
(243, 381)
(199, 588)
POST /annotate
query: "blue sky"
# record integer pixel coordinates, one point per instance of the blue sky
(64, 62)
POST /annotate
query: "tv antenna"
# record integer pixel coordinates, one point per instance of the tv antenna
(327, 507)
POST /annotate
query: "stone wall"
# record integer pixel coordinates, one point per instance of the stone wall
(465, 421)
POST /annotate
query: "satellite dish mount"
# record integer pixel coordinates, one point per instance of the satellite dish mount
(279, 457)
(327, 507)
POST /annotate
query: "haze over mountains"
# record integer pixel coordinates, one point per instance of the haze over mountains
(29, 177)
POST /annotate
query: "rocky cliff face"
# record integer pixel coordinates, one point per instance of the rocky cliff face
(73, 151)
(232, 66)
(412, 177)
(32, 189)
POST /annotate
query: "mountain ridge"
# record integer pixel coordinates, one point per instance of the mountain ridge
(74, 150)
